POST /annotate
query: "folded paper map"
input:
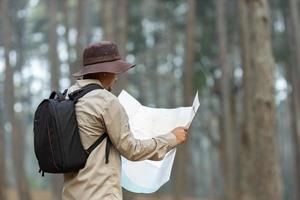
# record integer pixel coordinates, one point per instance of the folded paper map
(145, 122)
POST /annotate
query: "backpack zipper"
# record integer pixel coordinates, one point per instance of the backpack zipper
(58, 136)
(49, 137)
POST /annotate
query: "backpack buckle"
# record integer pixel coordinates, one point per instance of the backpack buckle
(72, 95)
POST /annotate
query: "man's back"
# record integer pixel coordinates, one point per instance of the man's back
(98, 112)
(96, 180)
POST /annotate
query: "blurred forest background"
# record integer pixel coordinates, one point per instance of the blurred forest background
(243, 56)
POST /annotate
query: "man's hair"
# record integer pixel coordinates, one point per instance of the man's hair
(91, 76)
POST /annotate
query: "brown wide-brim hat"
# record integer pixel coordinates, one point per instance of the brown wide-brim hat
(102, 57)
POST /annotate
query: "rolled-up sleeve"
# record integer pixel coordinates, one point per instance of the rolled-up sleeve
(118, 129)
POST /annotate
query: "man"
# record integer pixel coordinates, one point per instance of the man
(100, 111)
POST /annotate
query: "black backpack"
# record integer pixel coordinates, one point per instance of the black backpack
(57, 141)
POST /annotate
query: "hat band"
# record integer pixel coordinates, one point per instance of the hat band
(104, 58)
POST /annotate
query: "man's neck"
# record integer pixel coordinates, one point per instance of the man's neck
(105, 84)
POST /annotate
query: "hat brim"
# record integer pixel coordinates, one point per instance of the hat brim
(115, 67)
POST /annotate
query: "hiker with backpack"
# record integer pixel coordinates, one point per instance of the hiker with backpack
(83, 132)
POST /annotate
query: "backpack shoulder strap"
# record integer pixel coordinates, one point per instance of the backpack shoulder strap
(77, 95)
(83, 91)
(97, 142)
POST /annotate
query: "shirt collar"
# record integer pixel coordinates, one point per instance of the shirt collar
(84, 82)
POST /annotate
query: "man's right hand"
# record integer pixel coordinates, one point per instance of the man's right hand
(181, 134)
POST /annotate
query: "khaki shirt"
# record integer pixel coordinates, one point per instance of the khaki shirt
(97, 112)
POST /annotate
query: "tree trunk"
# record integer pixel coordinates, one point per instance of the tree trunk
(268, 183)
(67, 35)
(122, 23)
(247, 172)
(2, 155)
(20, 29)
(53, 56)
(57, 182)
(108, 19)
(182, 153)
(154, 77)
(141, 83)
(80, 38)
(292, 29)
(121, 39)
(171, 48)
(128, 195)
(294, 115)
(228, 136)
(2, 140)
(189, 57)
(295, 27)
(9, 100)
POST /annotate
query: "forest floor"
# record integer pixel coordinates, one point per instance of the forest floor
(46, 195)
